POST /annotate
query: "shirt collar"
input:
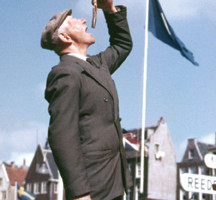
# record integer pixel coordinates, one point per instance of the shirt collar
(82, 57)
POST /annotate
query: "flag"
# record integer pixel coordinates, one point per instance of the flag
(24, 195)
(131, 142)
(161, 29)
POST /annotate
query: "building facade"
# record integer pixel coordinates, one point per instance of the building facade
(10, 176)
(193, 165)
(42, 178)
(159, 165)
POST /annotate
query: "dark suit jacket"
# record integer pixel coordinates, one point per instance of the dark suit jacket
(84, 131)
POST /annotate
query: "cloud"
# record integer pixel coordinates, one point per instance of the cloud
(209, 138)
(19, 158)
(20, 141)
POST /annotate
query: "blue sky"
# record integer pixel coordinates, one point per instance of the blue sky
(180, 92)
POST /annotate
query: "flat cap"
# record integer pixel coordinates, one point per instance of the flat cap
(49, 34)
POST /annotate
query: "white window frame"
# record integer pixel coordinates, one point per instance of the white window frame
(43, 187)
(181, 194)
(138, 170)
(4, 195)
(192, 168)
(29, 187)
(36, 188)
(56, 187)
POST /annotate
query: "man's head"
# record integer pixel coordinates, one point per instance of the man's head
(64, 32)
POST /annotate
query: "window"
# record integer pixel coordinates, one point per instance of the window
(191, 154)
(138, 170)
(4, 195)
(55, 187)
(43, 187)
(194, 196)
(183, 170)
(36, 188)
(156, 146)
(29, 187)
(129, 194)
(158, 153)
(202, 170)
(183, 195)
(193, 170)
(203, 196)
(129, 166)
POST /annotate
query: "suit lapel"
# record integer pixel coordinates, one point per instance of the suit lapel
(99, 75)
(96, 73)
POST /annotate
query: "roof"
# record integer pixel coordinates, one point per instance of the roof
(16, 175)
(204, 147)
(52, 165)
(132, 154)
(200, 149)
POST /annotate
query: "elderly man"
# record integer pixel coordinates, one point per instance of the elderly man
(84, 131)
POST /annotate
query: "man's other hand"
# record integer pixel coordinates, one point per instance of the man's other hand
(88, 197)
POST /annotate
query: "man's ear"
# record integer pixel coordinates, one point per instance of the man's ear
(65, 38)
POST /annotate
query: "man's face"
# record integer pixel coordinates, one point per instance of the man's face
(76, 29)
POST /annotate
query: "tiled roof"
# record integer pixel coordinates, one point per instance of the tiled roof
(204, 148)
(52, 165)
(16, 175)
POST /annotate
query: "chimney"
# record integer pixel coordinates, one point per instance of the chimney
(12, 164)
(24, 162)
(161, 121)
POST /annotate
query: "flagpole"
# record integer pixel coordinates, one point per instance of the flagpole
(60, 188)
(144, 98)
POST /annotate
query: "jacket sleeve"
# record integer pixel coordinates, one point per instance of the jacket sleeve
(120, 39)
(62, 93)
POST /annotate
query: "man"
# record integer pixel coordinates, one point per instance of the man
(84, 130)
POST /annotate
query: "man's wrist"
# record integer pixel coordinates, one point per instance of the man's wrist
(113, 9)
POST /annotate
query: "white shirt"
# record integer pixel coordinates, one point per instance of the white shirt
(78, 56)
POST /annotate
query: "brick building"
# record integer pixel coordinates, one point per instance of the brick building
(193, 163)
(10, 175)
(42, 178)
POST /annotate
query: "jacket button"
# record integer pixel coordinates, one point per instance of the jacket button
(105, 99)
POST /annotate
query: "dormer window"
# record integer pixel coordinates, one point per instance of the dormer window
(191, 154)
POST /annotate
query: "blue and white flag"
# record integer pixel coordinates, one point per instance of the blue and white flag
(161, 29)
(24, 195)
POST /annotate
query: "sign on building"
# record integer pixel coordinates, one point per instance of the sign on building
(197, 183)
(210, 160)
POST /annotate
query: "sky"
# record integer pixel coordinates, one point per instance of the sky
(177, 90)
